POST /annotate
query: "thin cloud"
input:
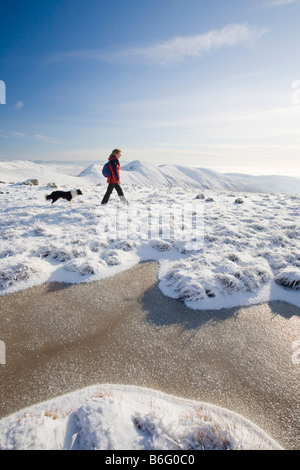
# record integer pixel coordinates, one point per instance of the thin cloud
(44, 138)
(175, 50)
(19, 104)
(11, 134)
(194, 47)
(278, 3)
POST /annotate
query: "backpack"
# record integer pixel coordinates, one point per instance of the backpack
(105, 170)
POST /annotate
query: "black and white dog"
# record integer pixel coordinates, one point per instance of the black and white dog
(68, 195)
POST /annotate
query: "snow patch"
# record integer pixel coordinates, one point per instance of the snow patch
(119, 417)
(290, 278)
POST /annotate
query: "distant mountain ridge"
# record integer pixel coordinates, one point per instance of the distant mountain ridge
(139, 173)
(145, 174)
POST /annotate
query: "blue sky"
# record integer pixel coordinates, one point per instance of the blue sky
(211, 84)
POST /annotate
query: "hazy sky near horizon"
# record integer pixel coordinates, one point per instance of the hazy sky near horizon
(213, 84)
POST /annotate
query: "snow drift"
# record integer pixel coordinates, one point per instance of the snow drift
(118, 417)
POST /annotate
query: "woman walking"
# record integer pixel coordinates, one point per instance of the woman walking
(114, 177)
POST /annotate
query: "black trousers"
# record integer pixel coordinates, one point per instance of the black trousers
(109, 190)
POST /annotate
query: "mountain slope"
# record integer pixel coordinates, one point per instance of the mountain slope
(138, 173)
(197, 177)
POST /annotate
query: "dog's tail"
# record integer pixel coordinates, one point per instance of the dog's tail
(47, 197)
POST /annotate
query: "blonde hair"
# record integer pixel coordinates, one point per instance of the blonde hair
(114, 153)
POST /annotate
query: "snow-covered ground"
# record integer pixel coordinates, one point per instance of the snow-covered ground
(112, 417)
(216, 246)
(234, 248)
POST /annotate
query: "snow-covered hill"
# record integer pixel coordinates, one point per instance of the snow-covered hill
(198, 178)
(266, 184)
(142, 174)
(93, 173)
(18, 171)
